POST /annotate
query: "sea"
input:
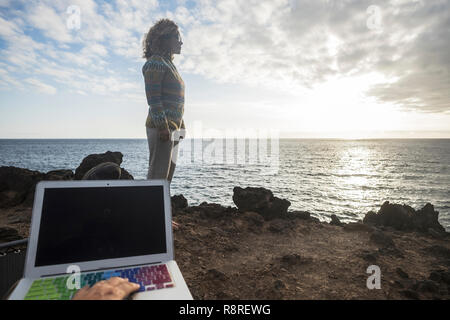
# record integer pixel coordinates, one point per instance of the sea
(343, 177)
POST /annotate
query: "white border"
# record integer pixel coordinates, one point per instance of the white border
(35, 272)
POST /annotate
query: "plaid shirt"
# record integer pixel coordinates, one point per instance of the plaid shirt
(164, 89)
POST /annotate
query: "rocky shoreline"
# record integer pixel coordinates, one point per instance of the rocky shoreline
(261, 250)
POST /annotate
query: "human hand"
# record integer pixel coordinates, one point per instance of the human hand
(164, 134)
(181, 133)
(114, 288)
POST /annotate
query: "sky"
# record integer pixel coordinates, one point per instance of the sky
(306, 69)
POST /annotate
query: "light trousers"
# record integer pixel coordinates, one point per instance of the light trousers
(163, 156)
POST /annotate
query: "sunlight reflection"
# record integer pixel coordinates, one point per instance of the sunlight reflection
(354, 173)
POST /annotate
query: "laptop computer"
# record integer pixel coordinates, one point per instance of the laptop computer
(101, 229)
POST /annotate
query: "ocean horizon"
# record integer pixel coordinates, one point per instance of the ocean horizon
(346, 177)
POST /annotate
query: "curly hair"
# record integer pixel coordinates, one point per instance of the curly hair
(152, 42)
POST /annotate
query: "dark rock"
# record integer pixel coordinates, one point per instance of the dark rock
(54, 175)
(440, 276)
(125, 175)
(103, 171)
(436, 234)
(291, 259)
(8, 234)
(394, 215)
(428, 286)
(254, 218)
(17, 186)
(438, 251)
(230, 247)
(222, 295)
(435, 276)
(179, 202)
(371, 218)
(315, 220)
(427, 218)
(391, 251)
(410, 284)
(304, 215)
(401, 273)
(333, 275)
(410, 294)
(280, 226)
(260, 200)
(219, 231)
(335, 221)
(278, 285)
(250, 198)
(405, 218)
(214, 274)
(59, 175)
(398, 284)
(277, 208)
(211, 210)
(369, 256)
(382, 239)
(357, 226)
(93, 160)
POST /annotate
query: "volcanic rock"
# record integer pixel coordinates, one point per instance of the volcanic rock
(335, 221)
(93, 160)
(179, 202)
(260, 200)
(103, 171)
(254, 218)
(63, 174)
(382, 239)
(305, 215)
(291, 259)
(401, 273)
(125, 175)
(405, 218)
(16, 184)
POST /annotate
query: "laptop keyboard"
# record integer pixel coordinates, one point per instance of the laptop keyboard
(148, 277)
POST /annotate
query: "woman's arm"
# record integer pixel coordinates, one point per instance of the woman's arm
(154, 72)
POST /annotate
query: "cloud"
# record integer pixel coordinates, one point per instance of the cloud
(293, 46)
(8, 28)
(40, 86)
(81, 60)
(51, 23)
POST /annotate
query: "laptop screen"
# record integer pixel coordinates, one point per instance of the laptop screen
(96, 223)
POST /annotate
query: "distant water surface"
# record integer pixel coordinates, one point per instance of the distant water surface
(344, 177)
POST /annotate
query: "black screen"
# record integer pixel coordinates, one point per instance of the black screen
(95, 223)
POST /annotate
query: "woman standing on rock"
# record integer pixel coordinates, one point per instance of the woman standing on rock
(164, 89)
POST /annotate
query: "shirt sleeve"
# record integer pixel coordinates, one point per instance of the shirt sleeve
(154, 72)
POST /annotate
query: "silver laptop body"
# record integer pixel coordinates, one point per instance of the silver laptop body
(102, 226)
